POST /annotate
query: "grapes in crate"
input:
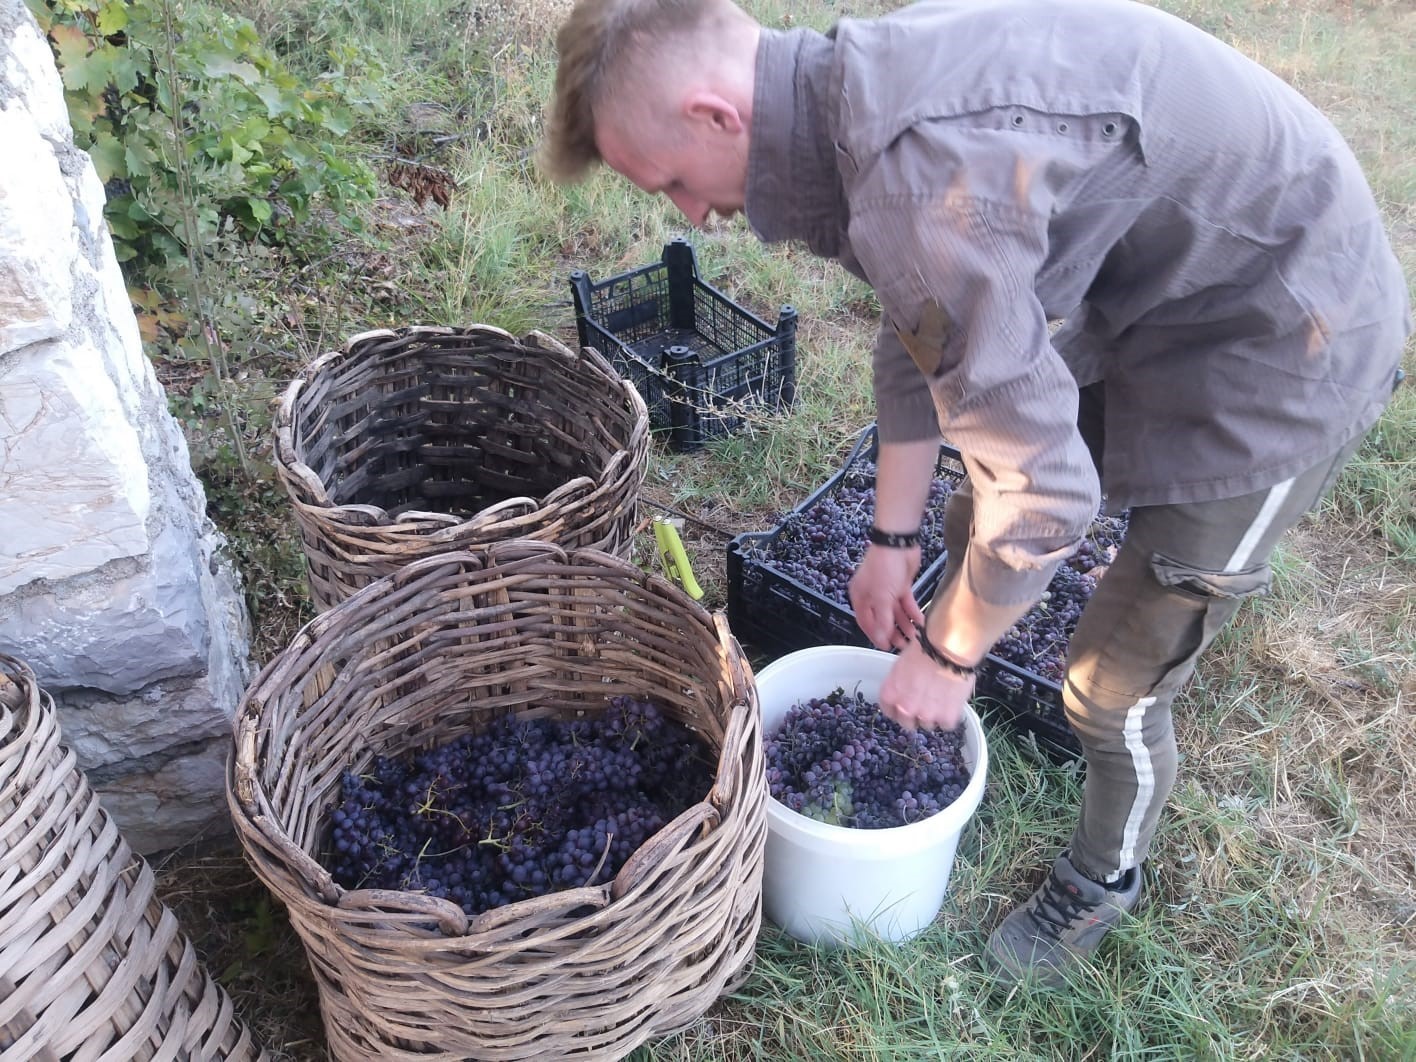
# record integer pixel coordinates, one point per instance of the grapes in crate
(522, 809)
(838, 760)
(1038, 642)
(821, 546)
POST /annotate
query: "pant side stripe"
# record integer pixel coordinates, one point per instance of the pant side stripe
(1145, 781)
(1276, 495)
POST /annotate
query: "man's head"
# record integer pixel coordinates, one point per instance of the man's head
(661, 92)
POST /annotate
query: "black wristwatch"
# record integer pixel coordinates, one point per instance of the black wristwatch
(876, 537)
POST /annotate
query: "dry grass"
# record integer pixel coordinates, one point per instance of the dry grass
(248, 945)
(1302, 718)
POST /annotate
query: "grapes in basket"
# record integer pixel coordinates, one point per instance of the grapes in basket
(838, 760)
(521, 809)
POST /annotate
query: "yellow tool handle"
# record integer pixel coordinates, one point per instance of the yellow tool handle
(673, 557)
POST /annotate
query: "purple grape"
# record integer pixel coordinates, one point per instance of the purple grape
(838, 760)
(820, 547)
(1038, 642)
(521, 809)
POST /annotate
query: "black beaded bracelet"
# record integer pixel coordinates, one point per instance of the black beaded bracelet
(932, 651)
(876, 537)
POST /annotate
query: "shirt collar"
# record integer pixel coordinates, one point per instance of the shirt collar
(793, 185)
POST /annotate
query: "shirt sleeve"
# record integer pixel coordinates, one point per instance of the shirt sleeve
(904, 404)
(954, 265)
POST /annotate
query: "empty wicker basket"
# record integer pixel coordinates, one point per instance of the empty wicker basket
(422, 440)
(92, 964)
(436, 651)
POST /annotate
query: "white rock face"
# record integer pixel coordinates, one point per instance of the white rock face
(37, 238)
(27, 63)
(113, 586)
(73, 475)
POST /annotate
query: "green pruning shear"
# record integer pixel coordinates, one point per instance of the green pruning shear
(674, 558)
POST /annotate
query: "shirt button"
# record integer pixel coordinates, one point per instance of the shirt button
(1017, 120)
(1109, 129)
(1062, 127)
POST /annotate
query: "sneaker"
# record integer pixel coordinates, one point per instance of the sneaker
(1060, 923)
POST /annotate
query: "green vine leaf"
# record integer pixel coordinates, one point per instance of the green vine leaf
(225, 66)
(112, 18)
(201, 134)
(71, 45)
(140, 159)
(108, 156)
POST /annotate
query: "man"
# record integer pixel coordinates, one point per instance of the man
(1233, 318)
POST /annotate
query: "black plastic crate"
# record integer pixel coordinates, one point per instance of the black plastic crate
(775, 613)
(1029, 704)
(701, 362)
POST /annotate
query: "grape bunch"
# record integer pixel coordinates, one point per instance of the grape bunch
(1038, 642)
(820, 546)
(521, 809)
(838, 760)
(1098, 548)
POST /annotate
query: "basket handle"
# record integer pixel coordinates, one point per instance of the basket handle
(544, 341)
(652, 854)
(739, 670)
(407, 907)
(744, 722)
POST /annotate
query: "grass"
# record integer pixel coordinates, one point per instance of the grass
(1280, 919)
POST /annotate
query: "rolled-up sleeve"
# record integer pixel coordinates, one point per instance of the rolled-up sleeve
(955, 271)
(904, 405)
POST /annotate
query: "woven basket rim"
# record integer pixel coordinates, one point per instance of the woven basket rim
(367, 515)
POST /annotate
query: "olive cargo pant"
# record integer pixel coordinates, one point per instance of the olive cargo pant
(1177, 580)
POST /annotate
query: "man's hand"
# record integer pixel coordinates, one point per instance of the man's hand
(919, 693)
(882, 596)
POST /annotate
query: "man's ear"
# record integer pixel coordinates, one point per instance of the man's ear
(703, 105)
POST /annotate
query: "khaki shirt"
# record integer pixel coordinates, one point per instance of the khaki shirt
(1204, 233)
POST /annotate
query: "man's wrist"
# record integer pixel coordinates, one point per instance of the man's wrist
(892, 539)
(943, 659)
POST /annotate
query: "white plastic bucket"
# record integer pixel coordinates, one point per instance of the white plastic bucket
(830, 885)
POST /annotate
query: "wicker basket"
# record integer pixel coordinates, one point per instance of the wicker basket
(425, 440)
(92, 965)
(440, 649)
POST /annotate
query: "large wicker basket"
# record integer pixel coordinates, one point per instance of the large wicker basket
(423, 440)
(437, 650)
(92, 964)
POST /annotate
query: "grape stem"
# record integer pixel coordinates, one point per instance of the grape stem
(603, 856)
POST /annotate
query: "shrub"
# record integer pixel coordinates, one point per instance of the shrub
(196, 129)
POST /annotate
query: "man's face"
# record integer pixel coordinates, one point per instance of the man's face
(701, 169)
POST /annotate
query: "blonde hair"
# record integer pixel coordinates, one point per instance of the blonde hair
(593, 44)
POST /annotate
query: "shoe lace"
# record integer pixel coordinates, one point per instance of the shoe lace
(1056, 908)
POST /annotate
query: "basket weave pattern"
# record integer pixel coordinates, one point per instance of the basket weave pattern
(440, 649)
(92, 965)
(422, 440)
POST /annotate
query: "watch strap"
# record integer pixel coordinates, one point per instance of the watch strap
(891, 540)
(934, 653)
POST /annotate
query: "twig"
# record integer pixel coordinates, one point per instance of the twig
(603, 856)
